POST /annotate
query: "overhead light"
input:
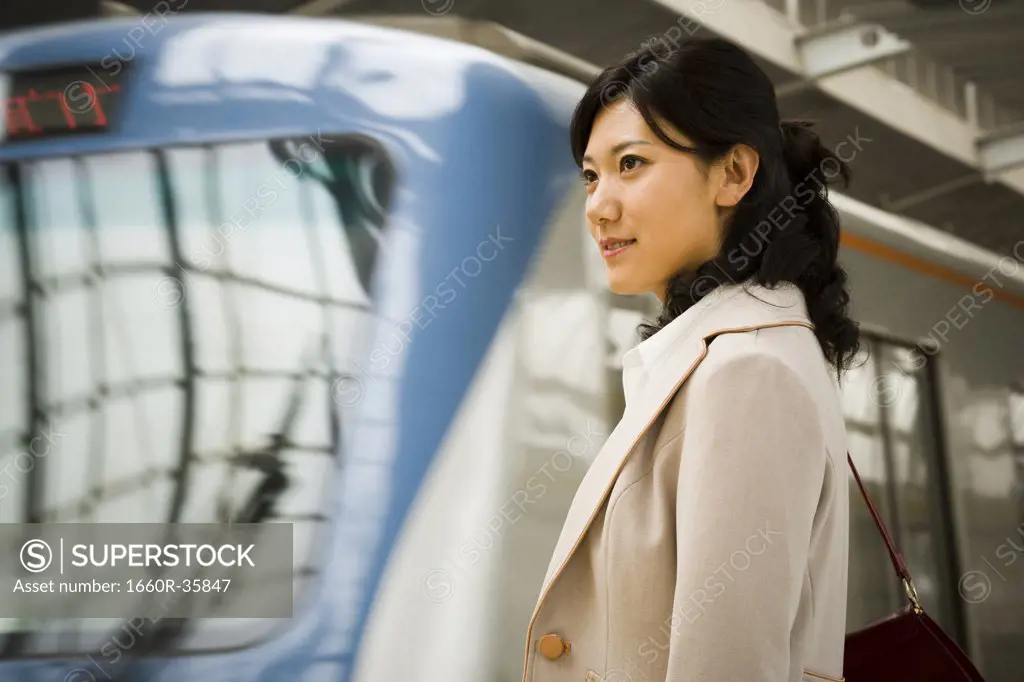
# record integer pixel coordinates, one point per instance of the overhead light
(110, 8)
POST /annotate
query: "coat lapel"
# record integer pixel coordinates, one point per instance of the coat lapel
(603, 471)
(734, 311)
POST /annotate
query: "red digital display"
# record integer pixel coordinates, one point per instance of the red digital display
(70, 100)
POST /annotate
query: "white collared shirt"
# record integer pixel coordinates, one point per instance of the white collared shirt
(638, 361)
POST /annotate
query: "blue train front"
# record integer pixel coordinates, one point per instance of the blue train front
(285, 271)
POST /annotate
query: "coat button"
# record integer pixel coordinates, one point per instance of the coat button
(553, 647)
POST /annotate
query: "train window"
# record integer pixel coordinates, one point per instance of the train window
(179, 316)
(891, 425)
(870, 574)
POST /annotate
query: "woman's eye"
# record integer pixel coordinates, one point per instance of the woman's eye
(630, 162)
(588, 176)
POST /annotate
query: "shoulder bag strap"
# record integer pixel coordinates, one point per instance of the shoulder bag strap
(894, 554)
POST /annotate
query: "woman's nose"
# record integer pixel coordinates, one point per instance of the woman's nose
(603, 208)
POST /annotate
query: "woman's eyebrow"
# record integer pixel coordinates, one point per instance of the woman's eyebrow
(619, 147)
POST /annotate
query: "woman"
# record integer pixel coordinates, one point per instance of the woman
(708, 540)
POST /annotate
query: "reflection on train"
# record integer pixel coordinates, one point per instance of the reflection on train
(337, 276)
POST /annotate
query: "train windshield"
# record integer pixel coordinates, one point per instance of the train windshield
(172, 324)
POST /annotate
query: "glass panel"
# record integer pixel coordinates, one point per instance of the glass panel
(140, 334)
(1017, 446)
(12, 341)
(10, 270)
(913, 461)
(902, 393)
(61, 246)
(64, 320)
(158, 345)
(859, 394)
(261, 214)
(871, 583)
(193, 195)
(892, 442)
(1017, 415)
(871, 576)
(127, 208)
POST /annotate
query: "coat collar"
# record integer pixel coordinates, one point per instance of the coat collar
(639, 362)
(672, 359)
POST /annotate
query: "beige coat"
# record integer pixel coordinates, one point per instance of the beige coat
(708, 540)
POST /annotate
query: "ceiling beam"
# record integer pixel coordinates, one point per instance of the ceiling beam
(766, 33)
(925, 194)
(1001, 151)
(986, 41)
(996, 15)
(318, 8)
(843, 46)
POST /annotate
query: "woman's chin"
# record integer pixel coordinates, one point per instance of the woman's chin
(625, 287)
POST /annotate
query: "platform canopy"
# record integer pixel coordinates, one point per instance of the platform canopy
(933, 89)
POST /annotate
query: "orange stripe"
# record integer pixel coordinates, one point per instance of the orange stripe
(886, 253)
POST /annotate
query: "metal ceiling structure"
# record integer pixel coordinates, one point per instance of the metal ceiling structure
(941, 141)
(976, 41)
(931, 87)
(978, 58)
(942, 148)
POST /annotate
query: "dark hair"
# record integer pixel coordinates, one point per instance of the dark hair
(784, 229)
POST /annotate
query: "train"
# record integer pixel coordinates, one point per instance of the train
(335, 276)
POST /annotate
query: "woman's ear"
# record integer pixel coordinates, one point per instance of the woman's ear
(738, 168)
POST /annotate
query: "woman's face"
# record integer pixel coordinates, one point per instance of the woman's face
(654, 211)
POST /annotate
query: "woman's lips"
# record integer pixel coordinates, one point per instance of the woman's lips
(613, 249)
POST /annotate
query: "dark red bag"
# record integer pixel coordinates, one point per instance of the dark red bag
(908, 645)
